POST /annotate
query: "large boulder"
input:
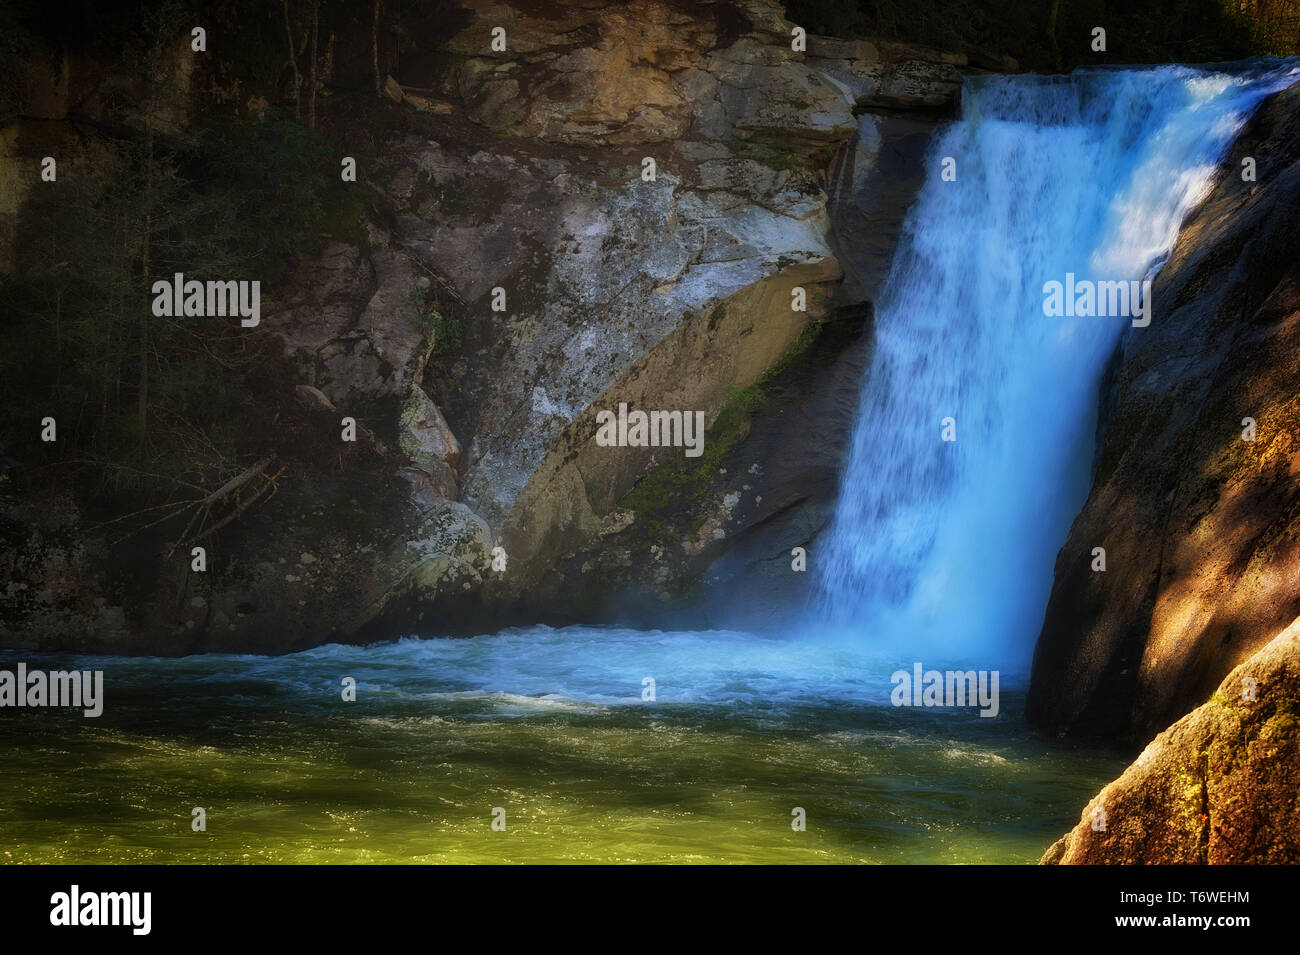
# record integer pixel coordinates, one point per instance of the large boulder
(1218, 787)
(668, 292)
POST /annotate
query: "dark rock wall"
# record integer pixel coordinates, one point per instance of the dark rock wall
(1201, 528)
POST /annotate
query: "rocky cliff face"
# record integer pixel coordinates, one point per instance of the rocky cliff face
(1217, 787)
(670, 294)
(517, 269)
(1197, 507)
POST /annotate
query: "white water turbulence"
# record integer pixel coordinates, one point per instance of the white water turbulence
(947, 548)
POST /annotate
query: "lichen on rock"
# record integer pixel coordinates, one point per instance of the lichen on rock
(1218, 787)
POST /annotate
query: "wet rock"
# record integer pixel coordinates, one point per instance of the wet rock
(1199, 525)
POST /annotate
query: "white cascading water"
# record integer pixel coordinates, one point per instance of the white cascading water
(947, 548)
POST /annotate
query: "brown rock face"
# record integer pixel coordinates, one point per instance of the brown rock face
(1217, 787)
(614, 62)
(1201, 525)
(514, 269)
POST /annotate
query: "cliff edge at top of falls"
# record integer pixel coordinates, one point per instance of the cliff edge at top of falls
(1217, 787)
(519, 170)
(1196, 497)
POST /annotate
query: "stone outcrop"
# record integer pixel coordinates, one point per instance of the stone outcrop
(667, 293)
(515, 269)
(1201, 527)
(1217, 787)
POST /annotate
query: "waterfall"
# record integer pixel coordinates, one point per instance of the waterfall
(947, 547)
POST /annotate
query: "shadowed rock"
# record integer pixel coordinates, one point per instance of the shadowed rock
(1217, 787)
(1200, 526)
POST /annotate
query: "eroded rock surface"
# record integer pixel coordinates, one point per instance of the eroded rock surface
(1218, 787)
(516, 268)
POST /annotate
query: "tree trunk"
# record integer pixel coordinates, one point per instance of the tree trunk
(142, 406)
(1051, 32)
(293, 62)
(311, 91)
(374, 45)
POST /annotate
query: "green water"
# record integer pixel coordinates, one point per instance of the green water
(550, 726)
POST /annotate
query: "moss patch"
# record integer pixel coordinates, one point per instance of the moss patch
(666, 499)
(681, 482)
(779, 155)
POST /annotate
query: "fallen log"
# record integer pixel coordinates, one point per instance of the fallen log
(238, 481)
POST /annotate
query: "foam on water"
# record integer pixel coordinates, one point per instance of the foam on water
(531, 669)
